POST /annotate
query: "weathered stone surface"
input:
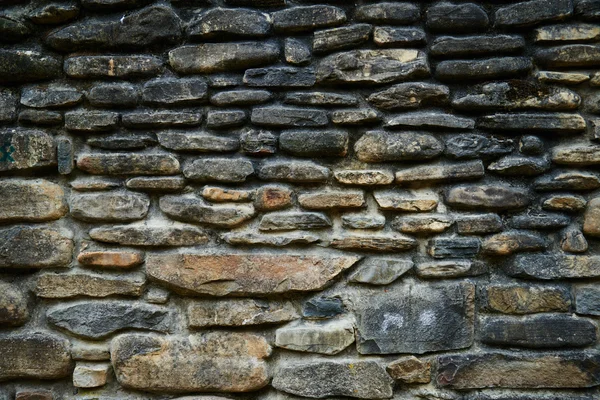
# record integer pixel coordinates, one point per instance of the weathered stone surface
(50, 96)
(539, 221)
(219, 57)
(54, 13)
(174, 91)
(161, 119)
(520, 166)
(527, 299)
(518, 94)
(364, 177)
(314, 143)
(297, 52)
(465, 17)
(191, 208)
(225, 119)
(62, 286)
(111, 259)
(386, 36)
(410, 95)
(555, 266)
(572, 55)
(149, 26)
(429, 120)
(25, 149)
(380, 146)
(576, 155)
(410, 370)
(329, 40)
(218, 169)
(591, 224)
(453, 247)
(517, 371)
(304, 171)
(532, 12)
(489, 197)
(34, 247)
(18, 66)
(568, 33)
(487, 69)
(298, 19)
(110, 206)
(239, 312)
(538, 332)
(478, 223)
(14, 308)
(359, 379)
(411, 201)
(573, 241)
(587, 9)
(355, 117)
(441, 172)
(150, 235)
(196, 142)
(332, 200)
(293, 220)
(388, 13)
(288, 117)
(380, 271)
(422, 224)
(416, 318)
(568, 180)
(324, 99)
(449, 269)
(467, 146)
(218, 23)
(507, 243)
(120, 67)
(218, 195)
(231, 362)
(258, 142)
(31, 200)
(374, 242)
(113, 95)
(8, 105)
(272, 197)
(565, 203)
(12, 30)
(372, 66)
(329, 337)
(240, 97)
(108, 5)
(91, 121)
(101, 318)
(116, 141)
(565, 78)
(128, 164)
(541, 123)
(450, 46)
(587, 300)
(323, 307)
(275, 240)
(22, 352)
(34, 395)
(239, 274)
(90, 375)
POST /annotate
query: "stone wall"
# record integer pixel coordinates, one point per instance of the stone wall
(274, 200)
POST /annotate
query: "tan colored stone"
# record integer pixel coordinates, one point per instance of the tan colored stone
(239, 312)
(61, 286)
(217, 194)
(410, 370)
(111, 259)
(31, 200)
(367, 177)
(272, 197)
(423, 223)
(380, 242)
(527, 299)
(579, 155)
(14, 310)
(152, 234)
(566, 202)
(207, 362)
(506, 243)
(238, 274)
(406, 200)
(332, 200)
(323, 337)
(591, 223)
(90, 375)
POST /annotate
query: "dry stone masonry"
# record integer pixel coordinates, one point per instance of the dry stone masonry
(288, 199)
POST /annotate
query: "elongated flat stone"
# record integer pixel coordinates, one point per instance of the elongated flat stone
(288, 117)
(491, 68)
(527, 299)
(280, 77)
(239, 312)
(410, 95)
(329, 40)
(567, 33)
(572, 55)
(381, 271)
(364, 177)
(237, 274)
(63, 286)
(429, 120)
(191, 208)
(489, 197)
(110, 206)
(397, 13)
(150, 235)
(533, 12)
(119, 67)
(293, 220)
(576, 155)
(372, 66)
(380, 146)
(405, 200)
(539, 123)
(276, 240)
(217, 23)
(375, 242)
(450, 46)
(328, 337)
(231, 362)
(128, 164)
(314, 143)
(196, 142)
(301, 172)
(27, 66)
(299, 19)
(558, 266)
(332, 200)
(441, 172)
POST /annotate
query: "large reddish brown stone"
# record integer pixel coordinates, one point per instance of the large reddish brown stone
(208, 362)
(238, 274)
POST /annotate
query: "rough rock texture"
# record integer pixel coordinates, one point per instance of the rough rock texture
(400, 197)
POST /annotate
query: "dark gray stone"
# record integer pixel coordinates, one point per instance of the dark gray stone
(65, 155)
(388, 13)
(218, 170)
(568, 180)
(240, 98)
(155, 25)
(359, 379)
(459, 247)
(465, 17)
(91, 121)
(220, 57)
(196, 142)
(150, 235)
(8, 105)
(488, 197)
(323, 307)
(161, 119)
(18, 66)
(289, 117)
(429, 120)
(156, 183)
(299, 19)
(386, 36)
(217, 119)
(12, 30)
(441, 172)
(175, 91)
(538, 332)
(50, 97)
(297, 171)
(258, 142)
(539, 123)
(587, 300)
(468, 146)
(478, 224)
(217, 23)
(26, 247)
(380, 271)
(40, 117)
(118, 141)
(346, 37)
(314, 143)
(363, 116)
(380, 146)
(99, 319)
(555, 266)
(416, 318)
(128, 164)
(121, 95)
(109, 5)
(109, 206)
(520, 166)
(410, 95)
(323, 99)
(539, 221)
(256, 3)
(573, 55)
(372, 66)
(280, 77)
(297, 52)
(487, 69)
(533, 12)
(54, 13)
(450, 46)
(293, 220)
(191, 208)
(119, 67)
(587, 9)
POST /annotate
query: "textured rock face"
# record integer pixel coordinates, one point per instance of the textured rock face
(401, 198)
